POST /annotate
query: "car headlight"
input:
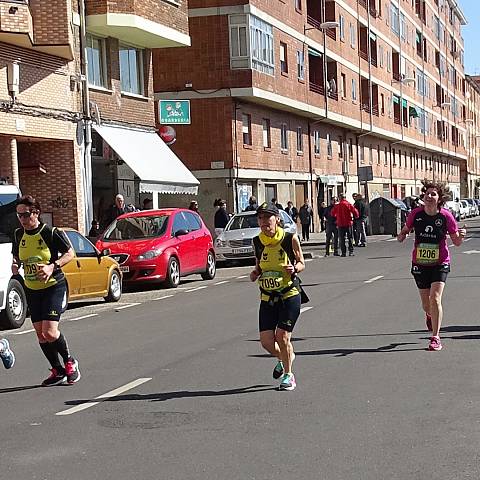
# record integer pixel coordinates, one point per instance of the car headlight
(220, 243)
(149, 254)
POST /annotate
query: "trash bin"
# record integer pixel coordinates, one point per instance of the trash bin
(387, 216)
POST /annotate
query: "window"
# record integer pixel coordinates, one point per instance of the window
(283, 137)
(361, 154)
(96, 61)
(82, 247)
(370, 155)
(385, 158)
(267, 140)
(316, 142)
(382, 104)
(381, 54)
(239, 57)
(343, 85)
(179, 223)
(299, 140)
(261, 40)
(283, 58)
(194, 223)
(131, 69)
(350, 149)
(394, 19)
(300, 65)
(298, 5)
(403, 27)
(329, 146)
(354, 89)
(340, 147)
(247, 128)
(342, 27)
(352, 35)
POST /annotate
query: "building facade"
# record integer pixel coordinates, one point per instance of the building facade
(290, 99)
(471, 174)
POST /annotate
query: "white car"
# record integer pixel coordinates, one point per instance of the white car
(473, 206)
(454, 208)
(236, 240)
(464, 209)
(13, 304)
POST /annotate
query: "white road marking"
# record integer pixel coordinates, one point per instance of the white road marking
(309, 260)
(161, 298)
(127, 306)
(305, 309)
(467, 239)
(112, 393)
(243, 276)
(469, 252)
(222, 282)
(195, 289)
(82, 317)
(392, 239)
(374, 279)
(24, 332)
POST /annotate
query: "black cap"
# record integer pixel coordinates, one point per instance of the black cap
(268, 208)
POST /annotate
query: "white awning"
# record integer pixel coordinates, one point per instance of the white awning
(158, 168)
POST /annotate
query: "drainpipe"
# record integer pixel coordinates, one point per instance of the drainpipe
(235, 161)
(87, 121)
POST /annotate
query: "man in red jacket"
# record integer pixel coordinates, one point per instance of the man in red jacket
(344, 212)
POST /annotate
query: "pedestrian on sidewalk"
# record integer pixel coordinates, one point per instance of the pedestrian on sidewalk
(6, 354)
(305, 214)
(279, 258)
(430, 257)
(43, 251)
(221, 217)
(321, 214)
(331, 229)
(360, 222)
(344, 213)
(252, 204)
(292, 211)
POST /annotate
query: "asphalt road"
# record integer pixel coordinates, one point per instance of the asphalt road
(186, 391)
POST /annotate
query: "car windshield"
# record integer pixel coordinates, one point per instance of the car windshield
(8, 217)
(243, 221)
(135, 228)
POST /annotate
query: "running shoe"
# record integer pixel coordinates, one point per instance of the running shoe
(435, 344)
(7, 355)
(428, 322)
(56, 378)
(72, 371)
(278, 370)
(288, 382)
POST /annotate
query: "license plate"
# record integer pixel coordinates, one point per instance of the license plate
(124, 269)
(239, 251)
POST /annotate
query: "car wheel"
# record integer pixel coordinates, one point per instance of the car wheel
(114, 287)
(15, 306)
(172, 279)
(211, 269)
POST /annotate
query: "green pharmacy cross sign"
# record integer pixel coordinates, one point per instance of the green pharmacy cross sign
(174, 112)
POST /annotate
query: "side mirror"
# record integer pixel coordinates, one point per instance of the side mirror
(180, 232)
(105, 252)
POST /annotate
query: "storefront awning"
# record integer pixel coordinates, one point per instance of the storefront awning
(158, 168)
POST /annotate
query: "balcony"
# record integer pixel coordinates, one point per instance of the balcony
(133, 22)
(25, 24)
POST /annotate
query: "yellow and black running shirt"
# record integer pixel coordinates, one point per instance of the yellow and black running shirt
(41, 245)
(274, 277)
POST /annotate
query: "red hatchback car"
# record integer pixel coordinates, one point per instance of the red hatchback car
(160, 246)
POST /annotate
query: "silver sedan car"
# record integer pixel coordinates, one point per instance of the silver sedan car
(236, 240)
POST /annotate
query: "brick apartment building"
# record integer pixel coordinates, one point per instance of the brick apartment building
(290, 98)
(470, 180)
(38, 122)
(86, 72)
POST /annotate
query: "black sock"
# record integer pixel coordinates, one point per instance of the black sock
(52, 355)
(60, 345)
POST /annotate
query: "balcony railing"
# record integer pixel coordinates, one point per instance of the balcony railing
(373, 11)
(363, 55)
(333, 95)
(363, 3)
(313, 22)
(365, 107)
(315, 87)
(396, 76)
(332, 33)
(373, 61)
(397, 120)
(375, 110)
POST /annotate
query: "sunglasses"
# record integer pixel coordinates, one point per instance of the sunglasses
(24, 214)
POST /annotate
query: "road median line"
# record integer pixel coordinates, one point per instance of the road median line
(103, 397)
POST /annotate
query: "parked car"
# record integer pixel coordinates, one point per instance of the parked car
(473, 206)
(464, 209)
(454, 208)
(91, 273)
(236, 241)
(160, 246)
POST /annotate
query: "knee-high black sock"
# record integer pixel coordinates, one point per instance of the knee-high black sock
(60, 345)
(51, 354)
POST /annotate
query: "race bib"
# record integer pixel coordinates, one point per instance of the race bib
(427, 253)
(30, 268)
(271, 281)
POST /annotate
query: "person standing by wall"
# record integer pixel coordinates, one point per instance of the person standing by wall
(331, 229)
(360, 222)
(252, 205)
(344, 213)
(305, 214)
(221, 217)
(292, 211)
(321, 214)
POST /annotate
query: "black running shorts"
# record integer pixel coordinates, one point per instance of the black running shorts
(46, 304)
(282, 314)
(425, 276)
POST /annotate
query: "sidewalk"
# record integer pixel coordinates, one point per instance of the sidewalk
(317, 239)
